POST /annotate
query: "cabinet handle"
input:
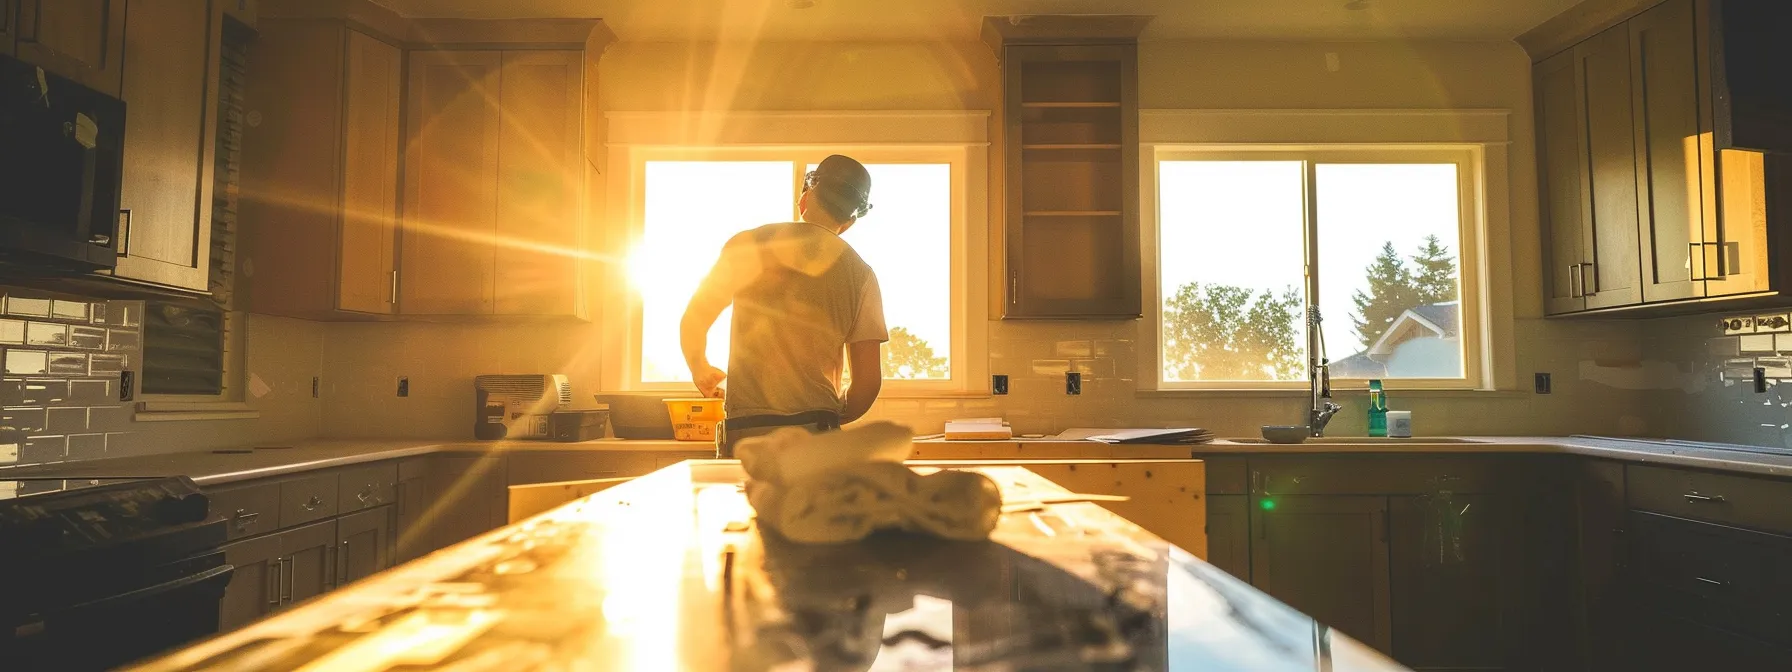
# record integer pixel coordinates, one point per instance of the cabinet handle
(1013, 286)
(1586, 270)
(1696, 254)
(124, 233)
(369, 496)
(1694, 496)
(312, 504)
(244, 520)
(394, 297)
(275, 569)
(342, 564)
(291, 578)
(1713, 582)
(1574, 283)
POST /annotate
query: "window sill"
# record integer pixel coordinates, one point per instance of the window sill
(167, 411)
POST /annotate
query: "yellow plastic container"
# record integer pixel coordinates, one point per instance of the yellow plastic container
(694, 419)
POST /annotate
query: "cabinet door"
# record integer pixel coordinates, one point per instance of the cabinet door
(1614, 274)
(1072, 230)
(1599, 509)
(309, 557)
(466, 496)
(1447, 563)
(1561, 169)
(9, 23)
(82, 40)
(170, 92)
(449, 246)
(254, 589)
(541, 172)
(363, 544)
(1228, 535)
(1326, 556)
(410, 536)
(1669, 157)
(369, 176)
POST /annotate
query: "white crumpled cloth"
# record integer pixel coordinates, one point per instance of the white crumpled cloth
(837, 487)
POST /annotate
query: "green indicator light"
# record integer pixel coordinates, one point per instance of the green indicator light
(1268, 504)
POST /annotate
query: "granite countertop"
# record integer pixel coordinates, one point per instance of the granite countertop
(669, 572)
(218, 467)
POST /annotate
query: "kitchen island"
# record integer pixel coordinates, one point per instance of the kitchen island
(668, 572)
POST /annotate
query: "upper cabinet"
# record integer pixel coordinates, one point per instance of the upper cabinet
(1071, 166)
(171, 65)
(494, 184)
(82, 40)
(321, 165)
(1656, 154)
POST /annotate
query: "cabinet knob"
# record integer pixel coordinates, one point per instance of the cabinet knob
(313, 503)
(243, 519)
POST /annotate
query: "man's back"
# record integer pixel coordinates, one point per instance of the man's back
(812, 296)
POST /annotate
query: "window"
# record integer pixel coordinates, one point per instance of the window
(1382, 242)
(689, 203)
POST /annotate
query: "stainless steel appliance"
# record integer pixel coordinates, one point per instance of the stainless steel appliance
(518, 406)
(61, 161)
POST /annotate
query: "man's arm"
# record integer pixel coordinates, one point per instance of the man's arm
(737, 267)
(867, 361)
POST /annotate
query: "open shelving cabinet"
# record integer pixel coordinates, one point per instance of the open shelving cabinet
(1070, 116)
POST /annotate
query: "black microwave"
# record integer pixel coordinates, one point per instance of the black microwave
(61, 160)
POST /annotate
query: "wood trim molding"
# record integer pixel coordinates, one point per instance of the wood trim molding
(1304, 127)
(1579, 23)
(999, 31)
(531, 33)
(698, 128)
(362, 14)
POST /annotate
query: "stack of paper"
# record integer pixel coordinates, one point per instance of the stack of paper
(1155, 436)
(978, 428)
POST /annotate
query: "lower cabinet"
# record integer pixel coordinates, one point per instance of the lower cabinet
(1326, 556)
(1447, 560)
(1228, 534)
(276, 571)
(363, 544)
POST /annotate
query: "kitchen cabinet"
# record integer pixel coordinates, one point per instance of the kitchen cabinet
(9, 24)
(1447, 556)
(1071, 167)
(1326, 556)
(324, 245)
(1588, 169)
(494, 175)
(1599, 539)
(254, 589)
(363, 544)
(1651, 134)
(410, 539)
(82, 40)
(170, 90)
(1228, 534)
(455, 498)
(309, 557)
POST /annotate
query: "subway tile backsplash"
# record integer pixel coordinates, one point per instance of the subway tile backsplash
(59, 389)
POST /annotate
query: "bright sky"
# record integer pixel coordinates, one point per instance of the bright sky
(693, 207)
(1240, 223)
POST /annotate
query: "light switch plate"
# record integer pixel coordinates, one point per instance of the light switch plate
(1073, 382)
(1739, 325)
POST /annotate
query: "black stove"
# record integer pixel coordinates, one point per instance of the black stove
(99, 572)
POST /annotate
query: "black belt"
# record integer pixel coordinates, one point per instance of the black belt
(821, 420)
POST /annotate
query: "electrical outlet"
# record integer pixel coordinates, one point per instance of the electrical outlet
(1760, 380)
(127, 385)
(1073, 382)
(314, 385)
(404, 386)
(1542, 383)
(998, 384)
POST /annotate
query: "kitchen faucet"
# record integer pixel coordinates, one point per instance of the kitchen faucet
(1319, 377)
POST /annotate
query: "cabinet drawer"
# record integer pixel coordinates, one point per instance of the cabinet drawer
(1375, 475)
(366, 487)
(1737, 579)
(1225, 474)
(557, 466)
(303, 500)
(1720, 498)
(251, 509)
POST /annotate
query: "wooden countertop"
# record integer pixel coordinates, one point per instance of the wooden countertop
(215, 467)
(669, 573)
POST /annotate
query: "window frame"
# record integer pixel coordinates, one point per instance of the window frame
(968, 354)
(1472, 204)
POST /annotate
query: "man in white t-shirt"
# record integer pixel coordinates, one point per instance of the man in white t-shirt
(801, 298)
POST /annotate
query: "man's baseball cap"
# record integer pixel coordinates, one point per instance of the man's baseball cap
(843, 183)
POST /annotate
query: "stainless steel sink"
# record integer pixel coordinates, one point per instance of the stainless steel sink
(1365, 440)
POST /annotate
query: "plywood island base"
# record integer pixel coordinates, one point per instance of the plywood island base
(669, 572)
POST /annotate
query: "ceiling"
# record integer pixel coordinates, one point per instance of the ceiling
(837, 20)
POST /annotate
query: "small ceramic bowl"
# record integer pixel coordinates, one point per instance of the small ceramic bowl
(1285, 433)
